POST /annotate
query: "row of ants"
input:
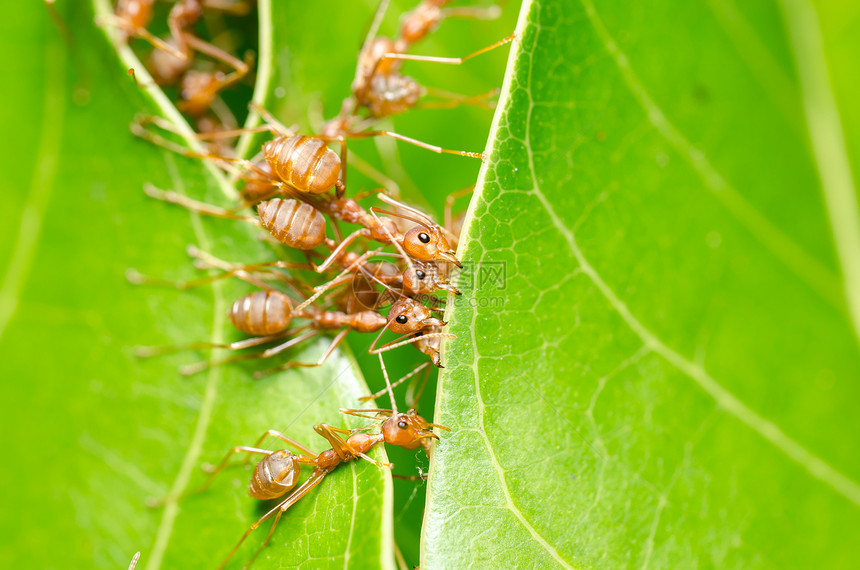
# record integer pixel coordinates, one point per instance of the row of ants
(296, 183)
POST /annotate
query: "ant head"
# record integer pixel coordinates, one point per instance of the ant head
(428, 243)
(408, 316)
(407, 430)
(424, 279)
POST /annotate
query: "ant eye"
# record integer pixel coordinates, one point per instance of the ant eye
(423, 238)
(402, 425)
(420, 274)
(401, 319)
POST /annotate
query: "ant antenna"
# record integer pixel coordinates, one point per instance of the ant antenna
(397, 204)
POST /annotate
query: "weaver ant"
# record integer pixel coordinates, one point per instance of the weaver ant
(278, 472)
(382, 90)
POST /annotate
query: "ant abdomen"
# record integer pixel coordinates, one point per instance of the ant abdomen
(274, 476)
(305, 163)
(293, 223)
(261, 313)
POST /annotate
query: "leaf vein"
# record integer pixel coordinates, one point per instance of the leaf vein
(789, 253)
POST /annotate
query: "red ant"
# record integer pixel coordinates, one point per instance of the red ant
(380, 88)
(278, 472)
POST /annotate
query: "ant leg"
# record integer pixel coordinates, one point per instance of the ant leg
(224, 115)
(315, 479)
(221, 466)
(320, 289)
(415, 371)
(338, 443)
(233, 132)
(473, 12)
(344, 277)
(448, 60)
(142, 33)
(205, 260)
(136, 278)
(241, 68)
(330, 434)
(334, 344)
(141, 120)
(228, 7)
(340, 248)
(422, 477)
(280, 128)
(375, 462)
(396, 343)
(274, 433)
(453, 100)
(149, 351)
(137, 128)
(268, 353)
(265, 542)
(416, 142)
(368, 193)
(277, 509)
(362, 412)
(411, 396)
(388, 386)
(195, 206)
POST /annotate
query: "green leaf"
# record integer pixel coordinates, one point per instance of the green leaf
(94, 431)
(665, 371)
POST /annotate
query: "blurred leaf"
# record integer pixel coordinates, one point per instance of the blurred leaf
(657, 364)
(93, 431)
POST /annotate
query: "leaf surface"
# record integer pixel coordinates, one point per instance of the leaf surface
(657, 360)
